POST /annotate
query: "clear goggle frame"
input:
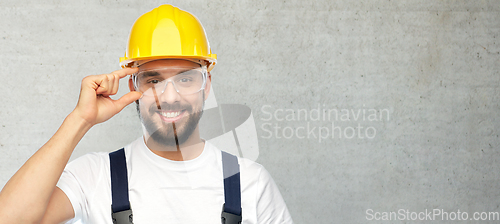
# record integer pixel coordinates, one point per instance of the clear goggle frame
(185, 80)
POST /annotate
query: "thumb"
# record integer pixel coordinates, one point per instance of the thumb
(127, 99)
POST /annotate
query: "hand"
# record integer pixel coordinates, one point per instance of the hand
(95, 105)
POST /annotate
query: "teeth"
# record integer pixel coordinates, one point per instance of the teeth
(170, 114)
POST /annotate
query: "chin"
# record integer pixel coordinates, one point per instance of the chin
(163, 133)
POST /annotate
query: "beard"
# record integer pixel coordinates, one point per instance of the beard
(165, 133)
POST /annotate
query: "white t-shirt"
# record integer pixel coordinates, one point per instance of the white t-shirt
(166, 191)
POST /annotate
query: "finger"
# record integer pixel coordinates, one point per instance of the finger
(103, 85)
(124, 72)
(110, 85)
(116, 84)
(127, 99)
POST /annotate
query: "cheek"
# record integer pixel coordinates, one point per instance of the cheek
(145, 104)
(195, 101)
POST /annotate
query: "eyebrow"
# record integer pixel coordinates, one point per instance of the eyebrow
(151, 73)
(183, 71)
(155, 73)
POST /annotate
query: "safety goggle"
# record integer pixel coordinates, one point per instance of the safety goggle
(185, 80)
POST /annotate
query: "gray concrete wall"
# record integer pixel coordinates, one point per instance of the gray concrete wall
(415, 85)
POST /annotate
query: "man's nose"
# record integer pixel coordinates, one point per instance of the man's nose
(170, 95)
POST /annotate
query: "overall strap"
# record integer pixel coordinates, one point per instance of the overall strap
(231, 210)
(121, 212)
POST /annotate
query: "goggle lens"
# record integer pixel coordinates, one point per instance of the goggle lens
(184, 80)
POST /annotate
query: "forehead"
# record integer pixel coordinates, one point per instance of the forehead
(167, 63)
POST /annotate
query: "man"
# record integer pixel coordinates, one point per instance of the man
(171, 174)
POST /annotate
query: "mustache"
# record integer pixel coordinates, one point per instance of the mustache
(172, 107)
(166, 106)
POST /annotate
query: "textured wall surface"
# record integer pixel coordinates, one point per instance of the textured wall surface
(358, 105)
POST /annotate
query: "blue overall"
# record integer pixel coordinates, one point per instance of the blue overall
(122, 214)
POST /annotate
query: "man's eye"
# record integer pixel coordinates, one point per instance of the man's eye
(153, 81)
(185, 80)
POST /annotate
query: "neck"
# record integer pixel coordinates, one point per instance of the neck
(188, 150)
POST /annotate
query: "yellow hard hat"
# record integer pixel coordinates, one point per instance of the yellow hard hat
(167, 32)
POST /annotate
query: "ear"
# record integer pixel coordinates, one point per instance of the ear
(131, 87)
(131, 84)
(207, 86)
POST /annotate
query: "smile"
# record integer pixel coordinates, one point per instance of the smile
(171, 116)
